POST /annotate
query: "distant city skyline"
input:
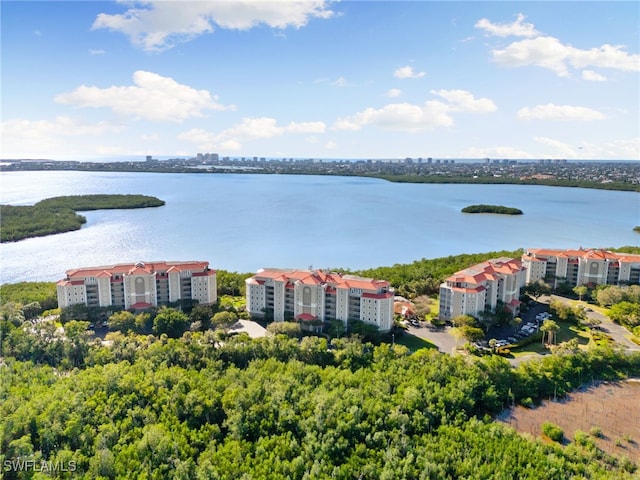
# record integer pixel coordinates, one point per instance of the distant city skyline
(320, 79)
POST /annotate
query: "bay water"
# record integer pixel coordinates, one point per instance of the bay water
(243, 222)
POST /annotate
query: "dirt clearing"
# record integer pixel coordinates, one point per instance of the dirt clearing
(609, 412)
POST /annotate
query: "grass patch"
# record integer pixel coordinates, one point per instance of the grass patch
(227, 301)
(567, 332)
(414, 343)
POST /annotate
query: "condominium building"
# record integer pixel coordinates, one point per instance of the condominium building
(481, 287)
(581, 267)
(316, 295)
(139, 285)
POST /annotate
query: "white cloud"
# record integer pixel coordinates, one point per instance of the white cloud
(545, 52)
(606, 56)
(550, 53)
(399, 116)
(393, 93)
(502, 151)
(330, 145)
(413, 118)
(407, 72)
(592, 76)
(624, 148)
(517, 28)
(463, 101)
(157, 25)
(612, 150)
(48, 137)
(340, 82)
(152, 97)
(559, 112)
(247, 130)
(306, 127)
(560, 149)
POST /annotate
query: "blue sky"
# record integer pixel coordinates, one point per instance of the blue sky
(313, 78)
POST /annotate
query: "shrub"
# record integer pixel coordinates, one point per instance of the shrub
(553, 431)
(583, 439)
(596, 432)
(527, 402)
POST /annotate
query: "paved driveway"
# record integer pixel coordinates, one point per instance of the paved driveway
(441, 338)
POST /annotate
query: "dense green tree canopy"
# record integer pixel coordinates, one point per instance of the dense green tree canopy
(276, 408)
(170, 322)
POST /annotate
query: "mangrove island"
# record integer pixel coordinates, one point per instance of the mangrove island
(58, 214)
(492, 209)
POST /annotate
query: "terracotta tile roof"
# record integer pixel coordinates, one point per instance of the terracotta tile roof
(306, 317)
(141, 305)
(629, 258)
(587, 254)
(125, 268)
(139, 271)
(378, 295)
(490, 270)
(319, 277)
(208, 273)
(477, 289)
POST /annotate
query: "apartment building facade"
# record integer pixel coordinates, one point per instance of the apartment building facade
(481, 287)
(138, 285)
(581, 267)
(307, 295)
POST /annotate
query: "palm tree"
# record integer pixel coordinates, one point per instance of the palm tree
(515, 322)
(580, 290)
(549, 329)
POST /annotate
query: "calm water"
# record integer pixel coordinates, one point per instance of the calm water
(246, 222)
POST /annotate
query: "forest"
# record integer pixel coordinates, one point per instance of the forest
(198, 407)
(577, 183)
(58, 214)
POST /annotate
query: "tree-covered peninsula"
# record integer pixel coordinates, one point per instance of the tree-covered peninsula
(59, 214)
(492, 209)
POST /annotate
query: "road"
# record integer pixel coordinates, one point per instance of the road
(615, 331)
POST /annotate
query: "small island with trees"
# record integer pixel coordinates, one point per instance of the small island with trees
(492, 209)
(58, 214)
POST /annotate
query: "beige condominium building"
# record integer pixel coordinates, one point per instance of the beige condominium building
(581, 267)
(138, 285)
(479, 288)
(307, 295)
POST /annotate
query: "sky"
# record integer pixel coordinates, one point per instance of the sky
(320, 79)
